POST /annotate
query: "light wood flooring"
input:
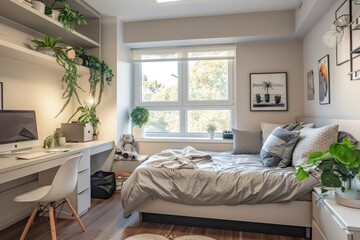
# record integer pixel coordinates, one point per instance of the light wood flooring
(104, 221)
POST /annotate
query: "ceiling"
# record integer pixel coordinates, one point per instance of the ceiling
(136, 10)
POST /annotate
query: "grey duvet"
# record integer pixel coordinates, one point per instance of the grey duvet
(222, 179)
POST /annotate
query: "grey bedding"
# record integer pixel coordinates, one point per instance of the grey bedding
(225, 179)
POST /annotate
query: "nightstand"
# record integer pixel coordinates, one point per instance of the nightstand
(332, 221)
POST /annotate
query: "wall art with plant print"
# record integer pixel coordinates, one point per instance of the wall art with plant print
(268, 91)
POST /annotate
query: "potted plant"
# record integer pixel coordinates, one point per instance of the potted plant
(48, 45)
(39, 6)
(140, 116)
(70, 17)
(211, 128)
(88, 116)
(340, 168)
(266, 87)
(53, 139)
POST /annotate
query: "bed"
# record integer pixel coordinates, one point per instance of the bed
(281, 212)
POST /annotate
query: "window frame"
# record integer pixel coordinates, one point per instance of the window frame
(184, 104)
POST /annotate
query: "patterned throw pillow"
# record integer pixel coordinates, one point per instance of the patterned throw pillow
(278, 148)
(312, 140)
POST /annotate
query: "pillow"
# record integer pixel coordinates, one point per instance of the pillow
(313, 139)
(278, 148)
(267, 128)
(246, 142)
(343, 134)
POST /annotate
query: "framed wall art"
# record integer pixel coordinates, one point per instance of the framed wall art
(268, 91)
(310, 85)
(324, 80)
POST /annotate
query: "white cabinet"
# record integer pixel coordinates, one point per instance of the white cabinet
(332, 221)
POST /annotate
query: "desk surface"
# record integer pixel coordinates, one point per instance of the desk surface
(10, 166)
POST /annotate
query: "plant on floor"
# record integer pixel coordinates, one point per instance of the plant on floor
(338, 165)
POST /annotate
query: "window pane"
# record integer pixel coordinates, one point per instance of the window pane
(208, 80)
(199, 119)
(164, 122)
(160, 81)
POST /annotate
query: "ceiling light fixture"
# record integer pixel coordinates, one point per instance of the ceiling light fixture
(166, 1)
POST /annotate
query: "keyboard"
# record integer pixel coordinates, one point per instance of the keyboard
(33, 155)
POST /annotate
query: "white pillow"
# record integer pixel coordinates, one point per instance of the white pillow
(267, 128)
(312, 140)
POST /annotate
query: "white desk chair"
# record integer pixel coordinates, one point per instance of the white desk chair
(62, 186)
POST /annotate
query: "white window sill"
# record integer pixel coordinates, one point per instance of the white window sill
(185, 139)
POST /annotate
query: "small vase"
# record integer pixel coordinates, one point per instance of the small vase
(351, 197)
(211, 135)
(39, 6)
(55, 14)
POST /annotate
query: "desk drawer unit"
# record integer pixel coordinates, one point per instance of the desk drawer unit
(83, 180)
(327, 225)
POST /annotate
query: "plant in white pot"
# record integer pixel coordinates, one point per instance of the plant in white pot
(339, 168)
(211, 128)
(140, 116)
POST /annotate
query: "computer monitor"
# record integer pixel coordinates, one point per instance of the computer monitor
(17, 130)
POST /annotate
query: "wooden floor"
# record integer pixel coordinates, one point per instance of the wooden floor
(104, 221)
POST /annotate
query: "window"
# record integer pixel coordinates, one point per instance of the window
(185, 89)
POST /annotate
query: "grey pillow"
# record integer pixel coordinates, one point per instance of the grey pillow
(246, 142)
(342, 135)
(278, 148)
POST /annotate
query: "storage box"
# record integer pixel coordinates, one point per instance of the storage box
(76, 132)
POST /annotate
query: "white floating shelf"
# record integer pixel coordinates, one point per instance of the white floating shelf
(23, 54)
(29, 17)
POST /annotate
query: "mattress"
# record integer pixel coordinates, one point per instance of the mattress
(224, 179)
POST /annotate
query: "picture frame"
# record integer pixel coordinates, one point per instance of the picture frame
(310, 85)
(343, 47)
(1, 96)
(324, 80)
(268, 91)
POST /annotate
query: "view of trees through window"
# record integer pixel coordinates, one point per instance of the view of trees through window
(196, 92)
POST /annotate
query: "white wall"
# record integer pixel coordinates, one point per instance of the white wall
(274, 56)
(344, 93)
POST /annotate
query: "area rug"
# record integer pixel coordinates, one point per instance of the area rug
(148, 236)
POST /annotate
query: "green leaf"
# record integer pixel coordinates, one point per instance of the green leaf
(313, 158)
(329, 179)
(301, 174)
(342, 153)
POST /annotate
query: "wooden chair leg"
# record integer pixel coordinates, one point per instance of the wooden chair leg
(29, 222)
(74, 214)
(52, 223)
(53, 205)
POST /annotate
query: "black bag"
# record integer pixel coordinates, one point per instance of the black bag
(103, 184)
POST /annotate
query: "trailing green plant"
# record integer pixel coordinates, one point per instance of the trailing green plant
(100, 73)
(140, 116)
(87, 115)
(338, 165)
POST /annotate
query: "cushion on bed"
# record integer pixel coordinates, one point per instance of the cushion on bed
(267, 128)
(278, 148)
(342, 135)
(246, 142)
(312, 140)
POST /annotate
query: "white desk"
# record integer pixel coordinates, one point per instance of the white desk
(14, 180)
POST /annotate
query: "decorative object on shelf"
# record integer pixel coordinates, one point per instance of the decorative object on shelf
(140, 116)
(1, 96)
(48, 45)
(324, 80)
(339, 166)
(342, 21)
(275, 87)
(87, 115)
(39, 6)
(211, 128)
(53, 139)
(70, 17)
(310, 85)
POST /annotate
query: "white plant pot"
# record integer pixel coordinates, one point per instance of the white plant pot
(138, 132)
(351, 197)
(211, 135)
(37, 5)
(55, 14)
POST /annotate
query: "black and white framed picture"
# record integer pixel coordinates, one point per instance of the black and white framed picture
(324, 80)
(1, 96)
(268, 91)
(310, 85)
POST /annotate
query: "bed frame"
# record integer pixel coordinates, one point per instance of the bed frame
(288, 218)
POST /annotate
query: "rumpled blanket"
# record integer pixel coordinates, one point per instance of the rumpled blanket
(178, 159)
